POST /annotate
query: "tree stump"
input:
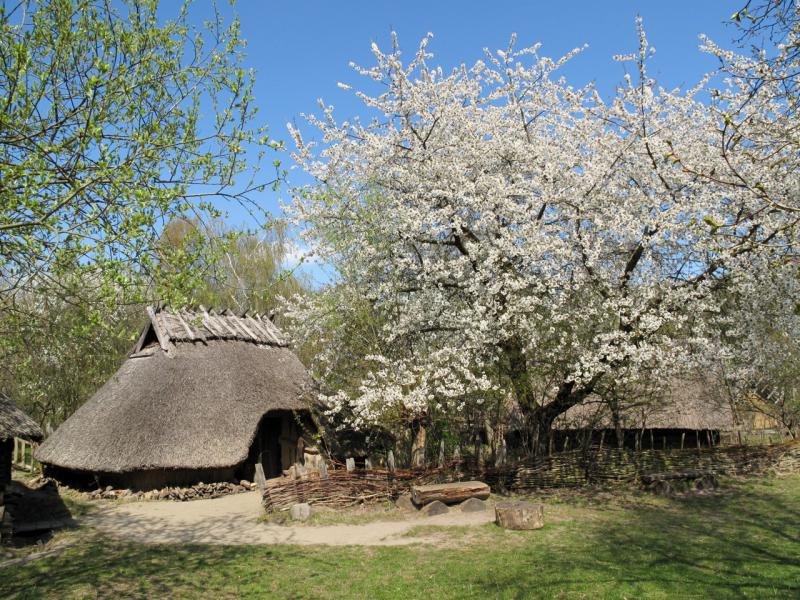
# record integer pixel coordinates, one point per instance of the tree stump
(519, 515)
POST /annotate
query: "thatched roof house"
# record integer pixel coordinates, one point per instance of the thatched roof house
(202, 397)
(14, 423)
(691, 410)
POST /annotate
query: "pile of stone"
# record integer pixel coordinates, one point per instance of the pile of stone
(199, 491)
(438, 499)
(470, 496)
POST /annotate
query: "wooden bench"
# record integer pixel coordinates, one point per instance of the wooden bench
(449, 493)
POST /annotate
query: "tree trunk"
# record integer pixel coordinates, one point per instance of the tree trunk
(540, 418)
(418, 446)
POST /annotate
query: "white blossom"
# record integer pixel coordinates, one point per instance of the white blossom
(496, 211)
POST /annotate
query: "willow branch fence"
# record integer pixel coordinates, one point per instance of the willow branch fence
(345, 486)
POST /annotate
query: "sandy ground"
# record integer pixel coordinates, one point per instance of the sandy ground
(234, 520)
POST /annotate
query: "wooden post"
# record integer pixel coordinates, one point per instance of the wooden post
(602, 438)
(652, 443)
(566, 443)
(390, 460)
(259, 478)
(697, 437)
(683, 437)
(323, 469)
(664, 443)
(350, 463)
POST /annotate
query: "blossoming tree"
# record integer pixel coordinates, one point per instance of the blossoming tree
(518, 234)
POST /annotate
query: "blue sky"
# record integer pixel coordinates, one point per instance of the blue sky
(301, 49)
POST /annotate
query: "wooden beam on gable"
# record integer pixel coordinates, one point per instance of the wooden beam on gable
(163, 339)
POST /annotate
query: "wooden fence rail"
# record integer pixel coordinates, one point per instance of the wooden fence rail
(22, 456)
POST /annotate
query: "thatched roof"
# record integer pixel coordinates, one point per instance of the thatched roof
(195, 405)
(15, 423)
(692, 403)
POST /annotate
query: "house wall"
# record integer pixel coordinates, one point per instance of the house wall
(148, 479)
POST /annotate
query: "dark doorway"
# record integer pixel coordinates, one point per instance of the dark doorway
(270, 439)
(266, 449)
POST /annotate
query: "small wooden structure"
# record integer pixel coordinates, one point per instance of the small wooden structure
(14, 425)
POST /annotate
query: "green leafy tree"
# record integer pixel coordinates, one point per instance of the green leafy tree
(104, 136)
(56, 350)
(249, 272)
(117, 119)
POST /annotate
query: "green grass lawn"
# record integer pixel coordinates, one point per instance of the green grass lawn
(744, 543)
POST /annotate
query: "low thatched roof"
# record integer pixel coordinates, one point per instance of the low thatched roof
(692, 403)
(183, 404)
(15, 423)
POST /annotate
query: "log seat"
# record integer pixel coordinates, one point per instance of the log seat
(449, 493)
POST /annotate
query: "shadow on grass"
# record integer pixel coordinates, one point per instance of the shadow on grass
(745, 543)
(741, 544)
(101, 568)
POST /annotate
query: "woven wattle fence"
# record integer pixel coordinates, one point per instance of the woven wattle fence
(603, 466)
(612, 466)
(345, 488)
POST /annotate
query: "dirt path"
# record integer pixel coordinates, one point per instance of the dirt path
(233, 520)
